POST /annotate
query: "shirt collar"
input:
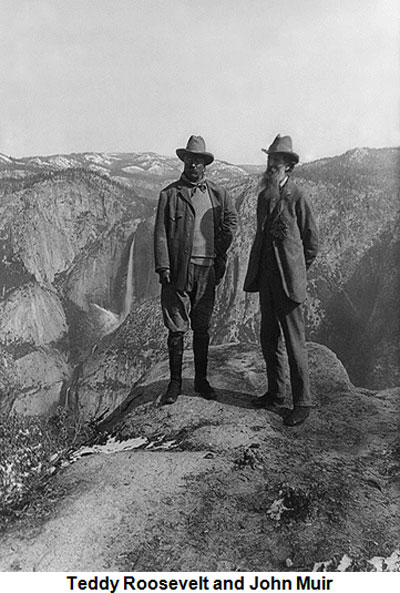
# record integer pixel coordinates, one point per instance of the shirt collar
(199, 184)
(188, 182)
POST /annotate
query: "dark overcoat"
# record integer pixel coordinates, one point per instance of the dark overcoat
(174, 228)
(294, 251)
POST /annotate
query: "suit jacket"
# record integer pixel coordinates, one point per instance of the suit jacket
(174, 227)
(296, 247)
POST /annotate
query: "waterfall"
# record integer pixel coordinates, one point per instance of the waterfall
(126, 309)
(107, 320)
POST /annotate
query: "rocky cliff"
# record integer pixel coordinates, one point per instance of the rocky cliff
(79, 299)
(62, 238)
(220, 486)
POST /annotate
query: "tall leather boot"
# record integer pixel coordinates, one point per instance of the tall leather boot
(200, 351)
(175, 350)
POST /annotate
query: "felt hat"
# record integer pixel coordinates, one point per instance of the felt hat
(195, 147)
(282, 145)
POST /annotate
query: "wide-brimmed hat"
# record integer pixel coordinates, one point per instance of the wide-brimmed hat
(282, 145)
(197, 147)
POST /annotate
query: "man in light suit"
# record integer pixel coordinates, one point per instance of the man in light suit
(284, 247)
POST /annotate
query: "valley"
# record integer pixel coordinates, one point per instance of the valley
(79, 297)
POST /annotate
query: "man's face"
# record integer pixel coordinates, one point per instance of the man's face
(194, 167)
(276, 167)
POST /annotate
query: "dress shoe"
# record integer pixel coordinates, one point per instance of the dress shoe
(173, 390)
(203, 387)
(297, 416)
(268, 400)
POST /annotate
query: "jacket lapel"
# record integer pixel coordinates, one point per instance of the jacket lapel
(278, 207)
(213, 195)
(216, 203)
(184, 192)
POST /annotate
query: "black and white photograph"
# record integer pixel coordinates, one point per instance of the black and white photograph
(199, 292)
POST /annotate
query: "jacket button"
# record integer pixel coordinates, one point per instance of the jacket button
(186, 251)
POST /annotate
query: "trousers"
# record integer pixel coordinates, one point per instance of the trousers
(282, 322)
(192, 307)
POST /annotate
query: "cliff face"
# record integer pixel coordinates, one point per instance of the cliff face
(34, 331)
(62, 237)
(118, 362)
(357, 275)
(76, 256)
(32, 314)
(362, 320)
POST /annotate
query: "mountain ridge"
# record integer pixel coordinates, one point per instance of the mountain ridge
(150, 162)
(70, 230)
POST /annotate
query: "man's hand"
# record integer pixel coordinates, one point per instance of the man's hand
(165, 276)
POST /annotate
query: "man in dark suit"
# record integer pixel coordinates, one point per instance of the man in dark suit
(195, 225)
(284, 247)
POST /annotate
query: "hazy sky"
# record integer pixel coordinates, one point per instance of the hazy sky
(142, 75)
